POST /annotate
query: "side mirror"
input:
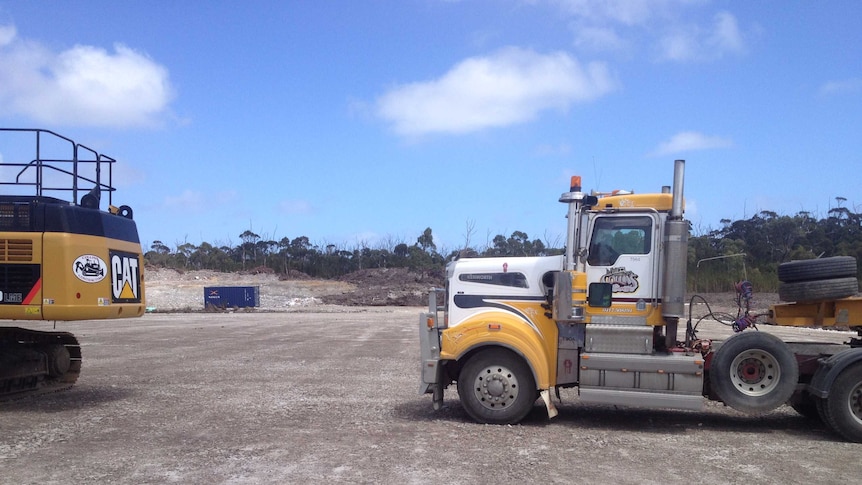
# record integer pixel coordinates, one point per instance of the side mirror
(600, 295)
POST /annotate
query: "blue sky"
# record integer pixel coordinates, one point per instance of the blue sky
(362, 123)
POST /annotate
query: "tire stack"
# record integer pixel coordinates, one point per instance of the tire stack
(817, 279)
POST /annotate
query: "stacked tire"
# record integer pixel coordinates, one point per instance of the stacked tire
(817, 279)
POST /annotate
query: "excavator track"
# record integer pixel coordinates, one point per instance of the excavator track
(37, 362)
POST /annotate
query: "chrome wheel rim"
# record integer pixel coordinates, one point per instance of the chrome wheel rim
(496, 387)
(755, 372)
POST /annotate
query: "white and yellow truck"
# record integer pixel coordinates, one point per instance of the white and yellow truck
(604, 317)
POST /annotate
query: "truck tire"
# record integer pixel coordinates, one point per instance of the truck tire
(497, 387)
(817, 269)
(842, 410)
(806, 405)
(754, 372)
(818, 290)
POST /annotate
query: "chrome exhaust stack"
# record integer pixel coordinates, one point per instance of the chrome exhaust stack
(675, 241)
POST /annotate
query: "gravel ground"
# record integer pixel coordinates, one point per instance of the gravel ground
(327, 393)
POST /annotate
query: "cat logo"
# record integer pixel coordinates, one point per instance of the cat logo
(125, 277)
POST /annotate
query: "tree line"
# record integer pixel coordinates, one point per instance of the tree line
(748, 249)
(753, 248)
(286, 255)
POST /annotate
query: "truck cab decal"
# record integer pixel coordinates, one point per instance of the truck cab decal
(623, 280)
(505, 303)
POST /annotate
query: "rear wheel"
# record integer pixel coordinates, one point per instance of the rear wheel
(497, 387)
(754, 372)
(843, 408)
(805, 404)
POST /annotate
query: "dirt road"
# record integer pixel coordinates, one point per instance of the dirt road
(332, 397)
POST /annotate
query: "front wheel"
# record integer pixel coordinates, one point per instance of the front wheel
(842, 410)
(497, 387)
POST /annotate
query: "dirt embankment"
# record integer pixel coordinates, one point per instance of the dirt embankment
(171, 290)
(387, 287)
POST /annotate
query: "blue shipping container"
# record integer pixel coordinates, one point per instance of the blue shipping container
(232, 296)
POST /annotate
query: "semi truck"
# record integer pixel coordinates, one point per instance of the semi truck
(62, 257)
(604, 317)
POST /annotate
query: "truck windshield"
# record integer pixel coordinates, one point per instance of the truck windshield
(613, 236)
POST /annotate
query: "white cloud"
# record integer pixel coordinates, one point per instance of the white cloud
(671, 28)
(626, 12)
(696, 43)
(83, 85)
(681, 45)
(600, 38)
(842, 87)
(687, 141)
(510, 86)
(725, 35)
(7, 34)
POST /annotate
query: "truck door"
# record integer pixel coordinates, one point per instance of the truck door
(622, 251)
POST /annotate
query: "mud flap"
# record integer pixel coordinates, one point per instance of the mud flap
(437, 401)
(546, 396)
(434, 388)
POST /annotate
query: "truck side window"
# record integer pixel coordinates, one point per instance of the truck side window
(613, 236)
(517, 280)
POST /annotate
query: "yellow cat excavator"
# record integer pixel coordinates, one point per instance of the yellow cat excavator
(62, 257)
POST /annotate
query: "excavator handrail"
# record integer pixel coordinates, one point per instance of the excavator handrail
(59, 165)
